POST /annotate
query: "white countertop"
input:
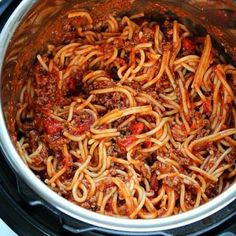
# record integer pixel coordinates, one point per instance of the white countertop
(5, 230)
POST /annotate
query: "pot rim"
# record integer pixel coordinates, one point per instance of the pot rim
(77, 212)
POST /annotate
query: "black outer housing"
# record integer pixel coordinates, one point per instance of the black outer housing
(27, 214)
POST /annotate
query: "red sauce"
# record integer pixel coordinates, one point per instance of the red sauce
(188, 45)
(125, 142)
(137, 128)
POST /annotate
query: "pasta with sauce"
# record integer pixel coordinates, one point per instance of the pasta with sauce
(130, 117)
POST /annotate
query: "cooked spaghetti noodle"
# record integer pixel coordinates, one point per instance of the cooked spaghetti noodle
(130, 118)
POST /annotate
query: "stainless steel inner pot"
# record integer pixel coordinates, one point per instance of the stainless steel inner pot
(17, 47)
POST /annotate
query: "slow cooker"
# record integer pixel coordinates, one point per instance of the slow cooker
(27, 205)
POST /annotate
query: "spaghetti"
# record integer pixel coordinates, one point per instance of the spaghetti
(130, 118)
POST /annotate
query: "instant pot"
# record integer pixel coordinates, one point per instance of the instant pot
(31, 208)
